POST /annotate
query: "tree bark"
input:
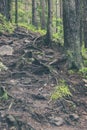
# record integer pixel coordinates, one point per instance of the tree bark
(16, 12)
(49, 24)
(71, 22)
(61, 9)
(34, 14)
(85, 22)
(5, 8)
(2, 6)
(43, 18)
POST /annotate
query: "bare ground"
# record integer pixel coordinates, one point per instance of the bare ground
(33, 71)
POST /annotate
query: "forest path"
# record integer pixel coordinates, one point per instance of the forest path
(30, 81)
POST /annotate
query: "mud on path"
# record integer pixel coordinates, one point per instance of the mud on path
(33, 71)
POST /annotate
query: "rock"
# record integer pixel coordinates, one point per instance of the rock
(28, 54)
(85, 85)
(58, 121)
(12, 128)
(10, 42)
(6, 50)
(27, 41)
(74, 117)
(11, 120)
(38, 96)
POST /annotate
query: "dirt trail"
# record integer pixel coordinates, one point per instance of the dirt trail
(29, 83)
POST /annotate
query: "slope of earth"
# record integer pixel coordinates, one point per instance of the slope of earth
(33, 71)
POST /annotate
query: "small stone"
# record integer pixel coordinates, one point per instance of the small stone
(74, 117)
(26, 41)
(85, 85)
(38, 97)
(10, 42)
(86, 117)
(13, 128)
(28, 54)
(11, 120)
(58, 121)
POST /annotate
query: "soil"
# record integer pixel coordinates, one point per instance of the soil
(32, 74)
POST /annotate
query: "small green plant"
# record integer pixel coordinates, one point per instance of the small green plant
(61, 91)
(83, 71)
(71, 71)
(84, 52)
(3, 94)
(85, 63)
(62, 81)
(2, 67)
(84, 55)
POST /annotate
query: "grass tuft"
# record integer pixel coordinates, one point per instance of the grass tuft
(61, 91)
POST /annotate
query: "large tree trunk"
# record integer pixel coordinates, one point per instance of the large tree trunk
(2, 6)
(85, 21)
(5, 8)
(71, 21)
(8, 10)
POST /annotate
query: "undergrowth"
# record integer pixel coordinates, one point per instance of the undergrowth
(61, 91)
(32, 28)
(84, 55)
(57, 36)
(83, 71)
(5, 26)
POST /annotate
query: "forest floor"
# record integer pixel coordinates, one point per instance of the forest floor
(29, 81)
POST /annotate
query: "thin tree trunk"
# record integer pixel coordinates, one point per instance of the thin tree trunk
(49, 23)
(43, 19)
(16, 12)
(61, 9)
(85, 21)
(34, 14)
